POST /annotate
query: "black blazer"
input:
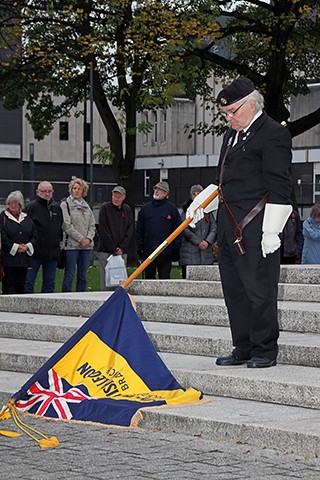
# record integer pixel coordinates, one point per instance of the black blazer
(14, 232)
(259, 162)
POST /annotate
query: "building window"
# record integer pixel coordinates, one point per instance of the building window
(86, 131)
(164, 126)
(145, 120)
(64, 131)
(146, 183)
(155, 127)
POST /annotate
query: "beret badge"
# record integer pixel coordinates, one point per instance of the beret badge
(223, 101)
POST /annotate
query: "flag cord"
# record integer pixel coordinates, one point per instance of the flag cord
(44, 442)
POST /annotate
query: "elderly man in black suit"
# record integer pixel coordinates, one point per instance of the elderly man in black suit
(255, 192)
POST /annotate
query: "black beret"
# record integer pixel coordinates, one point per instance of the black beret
(239, 88)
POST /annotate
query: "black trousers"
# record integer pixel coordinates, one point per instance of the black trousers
(14, 280)
(250, 287)
(162, 263)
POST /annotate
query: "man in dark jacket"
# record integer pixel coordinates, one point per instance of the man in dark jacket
(255, 191)
(47, 219)
(292, 240)
(115, 230)
(156, 221)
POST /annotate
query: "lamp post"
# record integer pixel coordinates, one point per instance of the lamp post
(91, 134)
(84, 174)
(31, 166)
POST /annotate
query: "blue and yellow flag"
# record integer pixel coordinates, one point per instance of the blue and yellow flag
(104, 373)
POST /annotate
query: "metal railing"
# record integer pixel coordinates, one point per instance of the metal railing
(98, 192)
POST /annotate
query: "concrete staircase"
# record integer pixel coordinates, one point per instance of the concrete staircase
(278, 407)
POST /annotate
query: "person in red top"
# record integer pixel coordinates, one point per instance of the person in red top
(115, 230)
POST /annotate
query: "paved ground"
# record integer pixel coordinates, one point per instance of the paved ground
(92, 452)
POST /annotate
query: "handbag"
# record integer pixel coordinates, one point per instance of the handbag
(116, 271)
(62, 259)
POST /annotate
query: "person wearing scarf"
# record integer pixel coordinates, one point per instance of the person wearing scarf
(17, 244)
(79, 231)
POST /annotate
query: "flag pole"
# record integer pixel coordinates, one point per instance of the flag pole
(167, 241)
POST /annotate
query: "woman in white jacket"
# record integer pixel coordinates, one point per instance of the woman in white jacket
(79, 231)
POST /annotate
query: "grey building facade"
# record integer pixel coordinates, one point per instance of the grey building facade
(168, 152)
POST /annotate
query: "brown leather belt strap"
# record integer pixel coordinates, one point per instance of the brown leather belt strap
(238, 227)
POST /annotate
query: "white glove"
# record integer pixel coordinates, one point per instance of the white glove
(197, 214)
(275, 218)
(270, 243)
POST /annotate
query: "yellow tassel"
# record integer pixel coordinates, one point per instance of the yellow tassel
(44, 442)
(51, 442)
(6, 433)
(5, 416)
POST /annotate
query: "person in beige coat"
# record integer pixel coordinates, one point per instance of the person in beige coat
(79, 231)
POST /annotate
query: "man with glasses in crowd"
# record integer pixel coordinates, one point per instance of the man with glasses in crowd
(255, 192)
(47, 218)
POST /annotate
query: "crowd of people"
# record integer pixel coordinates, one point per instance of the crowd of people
(253, 231)
(34, 235)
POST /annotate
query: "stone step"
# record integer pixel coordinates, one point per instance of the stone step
(293, 316)
(276, 407)
(303, 317)
(308, 274)
(25, 356)
(294, 348)
(285, 428)
(282, 427)
(208, 340)
(10, 383)
(212, 289)
(46, 328)
(284, 384)
(73, 304)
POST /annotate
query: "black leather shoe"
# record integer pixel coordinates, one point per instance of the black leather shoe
(261, 362)
(231, 360)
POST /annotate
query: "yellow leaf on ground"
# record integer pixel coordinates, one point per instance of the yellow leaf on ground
(6, 433)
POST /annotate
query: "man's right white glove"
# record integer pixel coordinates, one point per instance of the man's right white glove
(197, 213)
(275, 218)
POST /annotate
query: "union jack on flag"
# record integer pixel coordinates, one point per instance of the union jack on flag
(104, 373)
(58, 395)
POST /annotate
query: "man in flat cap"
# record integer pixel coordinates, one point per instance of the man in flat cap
(255, 192)
(157, 219)
(115, 230)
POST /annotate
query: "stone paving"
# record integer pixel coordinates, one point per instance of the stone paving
(92, 452)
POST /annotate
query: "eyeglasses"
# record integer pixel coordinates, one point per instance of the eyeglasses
(232, 114)
(46, 191)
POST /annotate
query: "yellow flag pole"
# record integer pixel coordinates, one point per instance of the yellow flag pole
(167, 241)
